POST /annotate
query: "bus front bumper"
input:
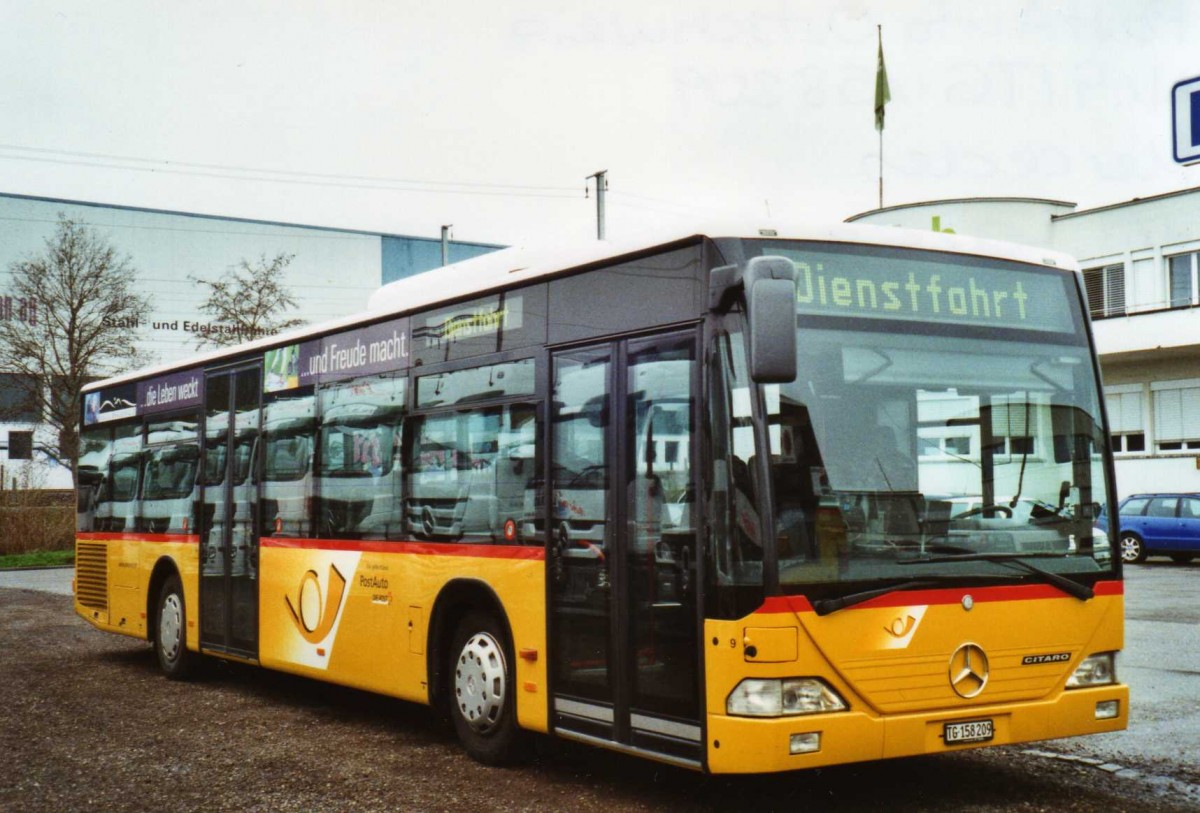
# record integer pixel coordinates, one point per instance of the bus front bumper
(748, 745)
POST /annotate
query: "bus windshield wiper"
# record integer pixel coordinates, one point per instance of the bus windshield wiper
(1069, 586)
(825, 606)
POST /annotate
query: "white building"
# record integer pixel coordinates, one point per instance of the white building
(331, 274)
(1140, 261)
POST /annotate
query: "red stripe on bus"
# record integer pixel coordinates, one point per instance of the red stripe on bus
(483, 551)
(117, 536)
(951, 595)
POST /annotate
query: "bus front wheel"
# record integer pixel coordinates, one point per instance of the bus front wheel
(482, 696)
(170, 640)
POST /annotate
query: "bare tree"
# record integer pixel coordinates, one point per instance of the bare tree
(71, 316)
(248, 302)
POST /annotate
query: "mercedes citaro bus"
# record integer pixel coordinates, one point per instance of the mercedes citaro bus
(741, 501)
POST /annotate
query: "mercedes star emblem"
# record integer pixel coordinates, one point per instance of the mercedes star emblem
(968, 670)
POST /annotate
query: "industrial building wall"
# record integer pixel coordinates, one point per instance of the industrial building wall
(331, 275)
(405, 256)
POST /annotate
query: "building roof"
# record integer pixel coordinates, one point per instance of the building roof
(525, 263)
(228, 219)
(1134, 202)
(914, 205)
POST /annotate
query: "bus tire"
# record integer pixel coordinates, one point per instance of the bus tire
(481, 690)
(170, 639)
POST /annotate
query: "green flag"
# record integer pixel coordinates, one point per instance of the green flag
(883, 94)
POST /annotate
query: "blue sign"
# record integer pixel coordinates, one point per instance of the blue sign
(1185, 120)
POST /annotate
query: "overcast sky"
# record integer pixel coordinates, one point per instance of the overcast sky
(401, 116)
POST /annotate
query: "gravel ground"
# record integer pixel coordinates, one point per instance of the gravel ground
(88, 723)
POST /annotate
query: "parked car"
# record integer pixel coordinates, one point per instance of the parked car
(1158, 525)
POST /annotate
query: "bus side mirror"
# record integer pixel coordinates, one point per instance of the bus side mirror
(770, 285)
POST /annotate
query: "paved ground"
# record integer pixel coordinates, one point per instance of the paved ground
(94, 726)
(88, 723)
(50, 580)
(1161, 664)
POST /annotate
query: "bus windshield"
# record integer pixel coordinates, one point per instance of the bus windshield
(934, 439)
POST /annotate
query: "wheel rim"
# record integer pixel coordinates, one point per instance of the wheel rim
(480, 682)
(170, 626)
(1131, 548)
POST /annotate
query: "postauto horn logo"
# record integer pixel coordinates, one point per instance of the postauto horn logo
(313, 613)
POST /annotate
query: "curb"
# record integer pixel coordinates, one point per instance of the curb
(36, 567)
(1161, 784)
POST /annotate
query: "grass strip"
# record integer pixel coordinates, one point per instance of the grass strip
(40, 558)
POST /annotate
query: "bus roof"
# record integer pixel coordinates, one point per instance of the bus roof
(524, 264)
(520, 264)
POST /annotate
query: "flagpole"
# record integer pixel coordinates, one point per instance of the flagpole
(883, 95)
(880, 30)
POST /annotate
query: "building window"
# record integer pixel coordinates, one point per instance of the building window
(1181, 271)
(1125, 418)
(959, 446)
(18, 398)
(20, 446)
(1105, 290)
(1021, 446)
(1177, 415)
(1131, 444)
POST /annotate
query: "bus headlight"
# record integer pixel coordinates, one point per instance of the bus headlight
(755, 697)
(1095, 670)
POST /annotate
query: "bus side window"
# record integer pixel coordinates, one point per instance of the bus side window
(736, 555)
(170, 489)
(359, 479)
(517, 475)
(473, 475)
(288, 427)
(473, 471)
(95, 452)
(118, 510)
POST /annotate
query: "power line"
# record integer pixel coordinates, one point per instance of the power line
(235, 172)
(677, 209)
(304, 178)
(299, 231)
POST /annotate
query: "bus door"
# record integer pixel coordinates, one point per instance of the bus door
(622, 546)
(228, 538)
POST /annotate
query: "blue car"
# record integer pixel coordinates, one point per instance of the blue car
(1158, 525)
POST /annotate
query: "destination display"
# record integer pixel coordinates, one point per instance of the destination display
(486, 325)
(896, 287)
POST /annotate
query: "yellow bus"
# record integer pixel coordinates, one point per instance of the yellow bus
(736, 501)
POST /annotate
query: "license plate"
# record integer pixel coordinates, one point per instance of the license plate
(973, 731)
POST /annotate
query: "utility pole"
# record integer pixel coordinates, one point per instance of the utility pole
(601, 185)
(446, 243)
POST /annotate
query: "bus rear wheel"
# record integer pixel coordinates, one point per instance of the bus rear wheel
(481, 689)
(170, 639)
